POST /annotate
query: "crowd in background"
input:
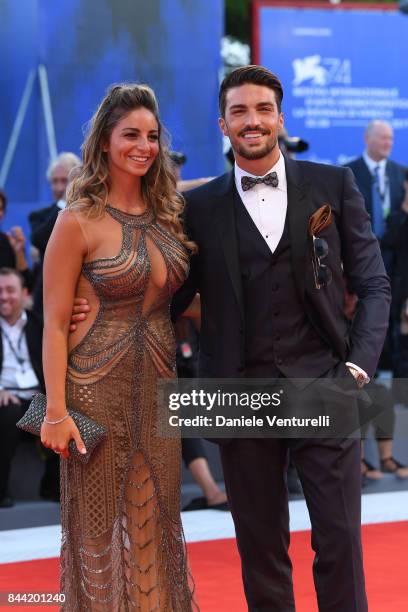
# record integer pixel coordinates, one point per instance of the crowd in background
(384, 186)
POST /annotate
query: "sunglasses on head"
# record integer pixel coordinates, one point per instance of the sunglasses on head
(322, 274)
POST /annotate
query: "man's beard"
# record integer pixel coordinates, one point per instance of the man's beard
(258, 154)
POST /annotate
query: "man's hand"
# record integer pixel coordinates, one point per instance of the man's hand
(79, 312)
(358, 376)
(7, 398)
(17, 239)
(193, 311)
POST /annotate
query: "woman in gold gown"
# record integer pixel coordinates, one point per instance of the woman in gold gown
(120, 244)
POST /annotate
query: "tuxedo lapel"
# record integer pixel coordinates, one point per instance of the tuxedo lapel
(227, 232)
(300, 208)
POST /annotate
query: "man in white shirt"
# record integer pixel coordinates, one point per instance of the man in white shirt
(380, 180)
(20, 367)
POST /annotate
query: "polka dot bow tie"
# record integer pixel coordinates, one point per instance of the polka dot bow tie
(271, 179)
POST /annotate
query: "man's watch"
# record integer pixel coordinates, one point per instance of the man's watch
(360, 379)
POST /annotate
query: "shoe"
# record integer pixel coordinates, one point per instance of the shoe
(201, 503)
(369, 472)
(6, 502)
(392, 466)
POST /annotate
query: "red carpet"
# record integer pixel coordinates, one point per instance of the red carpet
(216, 570)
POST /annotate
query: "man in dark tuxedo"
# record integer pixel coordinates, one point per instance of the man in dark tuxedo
(42, 221)
(267, 312)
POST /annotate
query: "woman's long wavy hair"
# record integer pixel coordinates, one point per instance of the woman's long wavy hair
(88, 191)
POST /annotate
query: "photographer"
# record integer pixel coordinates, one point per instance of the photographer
(12, 247)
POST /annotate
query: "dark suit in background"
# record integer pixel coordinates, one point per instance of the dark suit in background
(395, 174)
(263, 316)
(7, 255)
(42, 223)
(396, 239)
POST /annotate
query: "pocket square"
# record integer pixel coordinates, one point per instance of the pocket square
(320, 219)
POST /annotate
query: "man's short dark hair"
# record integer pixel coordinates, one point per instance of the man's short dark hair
(12, 272)
(256, 75)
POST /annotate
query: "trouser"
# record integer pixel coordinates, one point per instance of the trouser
(255, 479)
(380, 413)
(9, 438)
(255, 473)
(191, 449)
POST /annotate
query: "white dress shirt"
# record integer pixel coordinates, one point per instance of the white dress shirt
(15, 375)
(266, 205)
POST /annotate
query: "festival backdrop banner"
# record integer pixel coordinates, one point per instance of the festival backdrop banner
(340, 68)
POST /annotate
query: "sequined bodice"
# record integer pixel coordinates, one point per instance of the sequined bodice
(126, 275)
(134, 289)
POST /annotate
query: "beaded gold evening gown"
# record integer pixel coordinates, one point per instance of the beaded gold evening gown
(122, 541)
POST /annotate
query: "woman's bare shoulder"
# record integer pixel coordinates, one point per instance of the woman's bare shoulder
(72, 217)
(70, 229)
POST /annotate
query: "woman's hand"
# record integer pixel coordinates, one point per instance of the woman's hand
(57, 437)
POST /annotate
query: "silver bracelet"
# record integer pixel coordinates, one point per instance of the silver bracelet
(56, 422)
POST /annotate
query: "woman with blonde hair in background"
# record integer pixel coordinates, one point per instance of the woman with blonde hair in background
(119, 244)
